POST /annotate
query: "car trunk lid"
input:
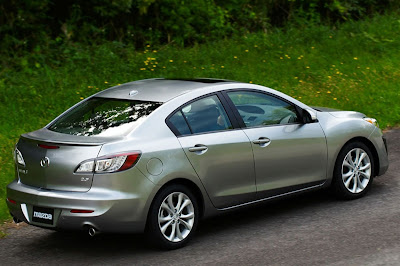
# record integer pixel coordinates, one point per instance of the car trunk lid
(51, 165)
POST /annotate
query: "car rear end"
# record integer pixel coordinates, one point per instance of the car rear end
(62, 183)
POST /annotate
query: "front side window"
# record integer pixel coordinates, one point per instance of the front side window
(259, 109)
(204, 115)
(103, 117)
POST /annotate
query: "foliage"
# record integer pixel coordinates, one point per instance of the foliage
(40, 25)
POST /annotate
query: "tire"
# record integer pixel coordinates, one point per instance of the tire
(352, 177)
(168, 228)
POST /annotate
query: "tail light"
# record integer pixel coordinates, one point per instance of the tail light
(18, 157)
(49, 147)
(109, 164)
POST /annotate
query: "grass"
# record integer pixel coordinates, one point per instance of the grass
(353, 66)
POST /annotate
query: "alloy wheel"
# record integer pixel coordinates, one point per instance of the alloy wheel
(176, 216)
(356, 170)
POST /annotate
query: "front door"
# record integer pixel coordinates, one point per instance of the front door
(288, 154)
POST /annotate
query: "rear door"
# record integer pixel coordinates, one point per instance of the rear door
(221, 155)
(288, 154)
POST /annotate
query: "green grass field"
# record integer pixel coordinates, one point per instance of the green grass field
(354, 66)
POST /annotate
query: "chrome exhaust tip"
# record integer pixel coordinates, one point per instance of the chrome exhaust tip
(92, 231)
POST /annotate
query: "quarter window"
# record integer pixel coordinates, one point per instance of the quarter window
(259, 109)
(179, 123)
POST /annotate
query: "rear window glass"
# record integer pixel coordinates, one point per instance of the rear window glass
(104, 117)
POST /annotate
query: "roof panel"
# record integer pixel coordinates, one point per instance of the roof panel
(157, 90)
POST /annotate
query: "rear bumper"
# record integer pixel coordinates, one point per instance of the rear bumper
(113, 211)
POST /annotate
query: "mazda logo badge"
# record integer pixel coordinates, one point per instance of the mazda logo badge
(45, 162)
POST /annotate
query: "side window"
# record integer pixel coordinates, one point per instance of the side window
(179, 123)
(204, 115)
(259, 109)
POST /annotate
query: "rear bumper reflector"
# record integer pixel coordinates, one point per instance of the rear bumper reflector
(11, 201)
(82, 211)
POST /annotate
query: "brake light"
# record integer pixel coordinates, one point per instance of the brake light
(50, 147)
(110, 163)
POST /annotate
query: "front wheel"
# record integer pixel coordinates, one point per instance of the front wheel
(353, 172)
(173, 217)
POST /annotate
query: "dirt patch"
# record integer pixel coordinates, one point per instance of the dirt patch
(5, 226)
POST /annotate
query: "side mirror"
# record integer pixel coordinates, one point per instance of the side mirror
(309, 116)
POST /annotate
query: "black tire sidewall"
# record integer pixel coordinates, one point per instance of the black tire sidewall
(338, 186)
(154, 235)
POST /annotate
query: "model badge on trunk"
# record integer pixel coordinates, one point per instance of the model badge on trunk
(45, 162)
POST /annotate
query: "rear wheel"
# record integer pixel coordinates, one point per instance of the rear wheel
(173, 217)
(353, 172)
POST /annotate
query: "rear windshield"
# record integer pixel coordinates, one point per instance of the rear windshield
(103, 117)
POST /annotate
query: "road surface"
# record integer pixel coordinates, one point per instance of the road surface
(310, 229)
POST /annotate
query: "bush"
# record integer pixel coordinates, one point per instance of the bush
(28, 26)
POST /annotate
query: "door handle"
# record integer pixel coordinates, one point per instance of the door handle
(198, 148)
(262, 141)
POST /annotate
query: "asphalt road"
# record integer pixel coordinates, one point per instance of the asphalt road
(310, 229)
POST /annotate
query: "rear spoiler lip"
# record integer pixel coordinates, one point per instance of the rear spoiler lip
(50, 137)
(55, 142)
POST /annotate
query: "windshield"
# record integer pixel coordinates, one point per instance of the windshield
(103, 117)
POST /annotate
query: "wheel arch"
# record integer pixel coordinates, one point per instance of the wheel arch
(190, 185)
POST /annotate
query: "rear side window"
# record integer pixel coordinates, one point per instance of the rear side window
(104, 117)
(201, 116)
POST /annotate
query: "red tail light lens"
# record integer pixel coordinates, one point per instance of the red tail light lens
(130, 161)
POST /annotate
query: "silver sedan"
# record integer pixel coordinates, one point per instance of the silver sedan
(158, 155)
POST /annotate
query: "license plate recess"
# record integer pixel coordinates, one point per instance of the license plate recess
(43, 215)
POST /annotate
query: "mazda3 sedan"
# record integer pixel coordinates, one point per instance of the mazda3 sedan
(158, 155)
